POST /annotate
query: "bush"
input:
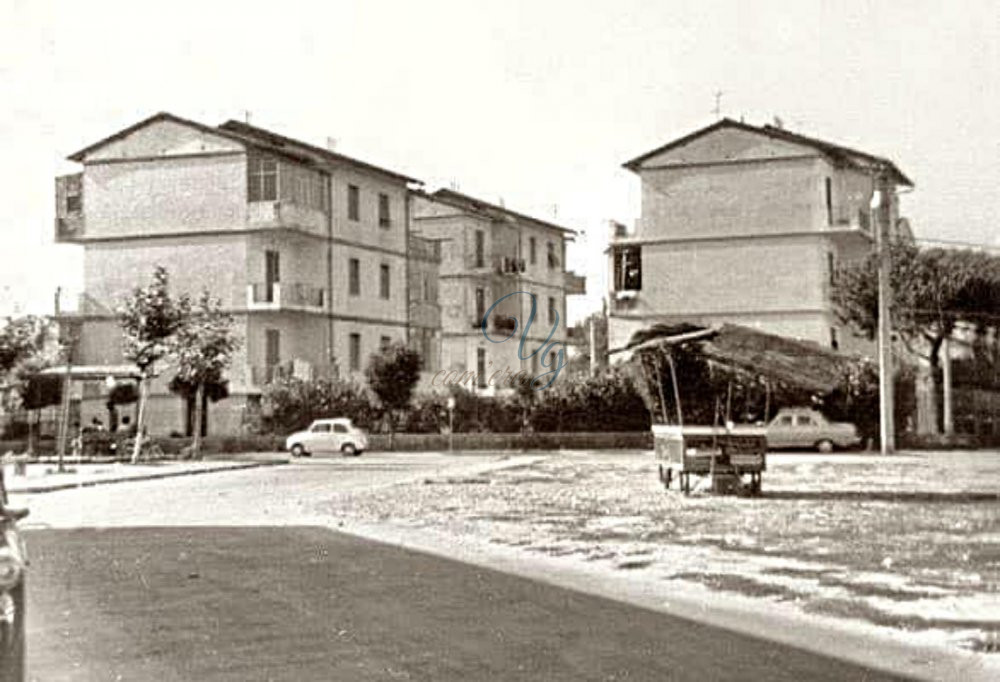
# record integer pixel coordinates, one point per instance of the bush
(292, 404)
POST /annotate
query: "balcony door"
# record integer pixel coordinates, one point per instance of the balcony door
(272, 273)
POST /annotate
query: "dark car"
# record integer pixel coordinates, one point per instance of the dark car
(13, 562)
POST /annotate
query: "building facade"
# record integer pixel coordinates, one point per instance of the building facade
(307, 248)
(488, 255)
(746, 224)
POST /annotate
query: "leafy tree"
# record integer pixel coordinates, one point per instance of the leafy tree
(933, 291)
(20, 338)
(149, 318)
(203, 348)
(392, 374)
(120, 394)
(292, 404)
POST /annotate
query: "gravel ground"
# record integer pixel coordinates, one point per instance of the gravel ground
(910, 543)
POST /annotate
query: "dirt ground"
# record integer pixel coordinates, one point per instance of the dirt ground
(908, 542)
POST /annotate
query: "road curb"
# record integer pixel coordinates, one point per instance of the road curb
(55, 487)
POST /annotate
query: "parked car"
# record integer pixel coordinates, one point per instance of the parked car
(13, 562)
(803, 427)
(328, 435)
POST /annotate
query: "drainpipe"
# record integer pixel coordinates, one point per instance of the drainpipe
(329, 269)
(406, 258)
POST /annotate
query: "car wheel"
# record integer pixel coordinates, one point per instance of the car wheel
(825, 446)
(298, 450)
(349, 450)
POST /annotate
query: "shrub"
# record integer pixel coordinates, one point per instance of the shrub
(292, 404)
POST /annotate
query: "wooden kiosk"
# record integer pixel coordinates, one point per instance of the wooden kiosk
(730, 454)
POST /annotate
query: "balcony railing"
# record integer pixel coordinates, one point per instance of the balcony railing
(261, 375)
(575, 284)
(285, 295)
(509, 265)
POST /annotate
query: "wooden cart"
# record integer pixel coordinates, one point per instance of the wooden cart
(725, 454)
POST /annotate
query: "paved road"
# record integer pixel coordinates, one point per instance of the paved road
(215, 578)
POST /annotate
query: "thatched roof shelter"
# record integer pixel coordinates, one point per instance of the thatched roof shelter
(776, 358)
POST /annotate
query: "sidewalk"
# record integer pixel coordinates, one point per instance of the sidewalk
(43, 478)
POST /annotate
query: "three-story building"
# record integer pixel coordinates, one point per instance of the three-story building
(746, 224)
(490, 253)
(306, 247)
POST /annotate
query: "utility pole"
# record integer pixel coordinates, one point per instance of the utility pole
(885, 215)
(718, 104)
(67, 382)
(593, 347)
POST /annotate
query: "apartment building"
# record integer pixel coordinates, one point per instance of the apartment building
(306, 247)
(487, 252)
(425, 309)
(746, 224)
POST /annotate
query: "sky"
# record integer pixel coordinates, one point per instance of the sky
(533, 103)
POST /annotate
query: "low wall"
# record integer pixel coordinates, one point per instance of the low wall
(422, 442)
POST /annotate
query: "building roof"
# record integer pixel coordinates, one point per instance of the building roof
(318, 154)
(790, 361)
(494, 211)
(837, 153)
(250, 136)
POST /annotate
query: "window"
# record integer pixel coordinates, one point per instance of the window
(383, 210)
(533, 250)
(803, 420)
(552, 310)
(425, 290)
(553, 260)
(353, 203)
(262, 178)
(480, 249)
(829, 201)
(339, 428)
(481, 367)
(628, 268)
(384, 342)
(355, 352)
(480, 305)
(272, 273)
(786, 420)
(383, 281)
(354, 277)
(321, 428)
(73, 202)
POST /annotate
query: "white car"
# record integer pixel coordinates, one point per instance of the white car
(328, 435)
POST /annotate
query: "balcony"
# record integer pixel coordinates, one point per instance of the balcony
(69, 221)
(508, 265)
(576, 285)
(272, 214)
(285, 296)
(262, 375)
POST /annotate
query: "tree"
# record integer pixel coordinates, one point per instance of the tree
(933, 291)
(203, 347)
(392, 374)
(291, 404)
(149, 318)
(20, 338)
(24, 352)
(37, 392)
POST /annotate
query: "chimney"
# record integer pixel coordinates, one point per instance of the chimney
(331, 144)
